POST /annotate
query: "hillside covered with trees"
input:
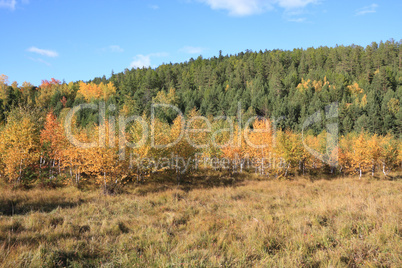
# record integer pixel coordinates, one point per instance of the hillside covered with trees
(285, 87)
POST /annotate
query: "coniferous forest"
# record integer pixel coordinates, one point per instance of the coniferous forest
(365, 81)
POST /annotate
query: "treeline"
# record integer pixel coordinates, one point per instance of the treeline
(366, 82)
(284, 87)
(34, 149)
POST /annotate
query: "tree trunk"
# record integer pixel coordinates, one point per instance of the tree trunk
(40, 166)
(383, 169)
(177, 175)
(104, 180)
(19, 177)
(53, 161)
(286, 172)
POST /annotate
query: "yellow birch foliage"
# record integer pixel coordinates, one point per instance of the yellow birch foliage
(318, 144)
(237, 149)
(74, 160)
(399, 154)
(93, 91)
(374, 152)
(3, 86)
(345, 153)
(261, 139)
(181, 147)
(317, 85)
(166, 98)
(220, 137)
(102, 163)
(139, 136)
(355, 89)
(388, 157)
(360, 160)
(197, 131)
(289, 149)
(18, 147)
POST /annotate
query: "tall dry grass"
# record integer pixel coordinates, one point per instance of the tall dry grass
(300, 223)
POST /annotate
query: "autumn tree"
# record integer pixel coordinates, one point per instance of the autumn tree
(237, 150)
(182, 151)
(103, 163)
(290, 150)
(19, 144)
(53, 141)
(360, 158)
(46, 90)
(75, 160)
(3, 87)
(374, 152)
(260, 143)
(388, 156)
(399, 154)
(345, 153)
(92, 91)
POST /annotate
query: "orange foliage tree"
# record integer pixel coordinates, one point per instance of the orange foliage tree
(53, 142)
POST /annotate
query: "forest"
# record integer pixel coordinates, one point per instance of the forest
(259, 159)
(279, 91)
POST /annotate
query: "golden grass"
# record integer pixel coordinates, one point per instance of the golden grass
(300, 223)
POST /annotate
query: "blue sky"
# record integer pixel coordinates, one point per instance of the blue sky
(79, 40)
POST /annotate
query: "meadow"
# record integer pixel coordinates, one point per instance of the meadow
(209, 220)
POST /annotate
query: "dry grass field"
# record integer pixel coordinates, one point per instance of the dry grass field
(210, 221)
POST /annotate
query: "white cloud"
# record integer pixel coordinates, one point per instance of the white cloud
(295, 4)
(141, 61)
(155, 7)
(295, 15)
(192, 50)
(159, 54)
(251, 7)
(367, 9)
(299, 20)
(44, 52)
(239, 7)
(115, 48)
(10, 4)
(40, 60)
(111, 49)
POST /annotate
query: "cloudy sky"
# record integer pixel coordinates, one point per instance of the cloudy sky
(79, 40)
